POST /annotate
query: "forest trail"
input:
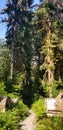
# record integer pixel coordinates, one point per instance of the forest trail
(29, 123)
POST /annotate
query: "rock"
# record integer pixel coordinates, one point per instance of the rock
(5, 103)
(15, 100)
(54, 106)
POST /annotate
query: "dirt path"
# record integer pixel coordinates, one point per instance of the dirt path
(29, 122)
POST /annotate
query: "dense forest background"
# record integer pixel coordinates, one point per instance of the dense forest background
(31, 58)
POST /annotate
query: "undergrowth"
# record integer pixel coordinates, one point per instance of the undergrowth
(10, 119)
(43, 122)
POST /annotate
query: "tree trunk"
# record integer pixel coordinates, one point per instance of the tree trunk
(12, 61)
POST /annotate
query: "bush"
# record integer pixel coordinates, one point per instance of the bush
(50, 123)
(22, 109)
(13, 95)
(2, 89)
(44, 122)
(39, 108)
(10, 119)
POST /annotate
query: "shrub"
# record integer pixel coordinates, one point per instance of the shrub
(39, 108)
(22, 109)
(2, 89)
(50, 123)
(10, 119)
(12, 95)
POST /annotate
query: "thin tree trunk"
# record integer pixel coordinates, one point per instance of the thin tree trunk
(12, 54)
(12, 60)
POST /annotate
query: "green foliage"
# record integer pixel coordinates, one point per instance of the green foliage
(50, 123)
(10, 119)
(38, 88)
(57, 87)
(2, 89)
(4, 61)
(8, 84)
(50, 5)
(12, 95)
(39, 108)
(14, 87)
(6, 90)
(22, 109)
(17, 85)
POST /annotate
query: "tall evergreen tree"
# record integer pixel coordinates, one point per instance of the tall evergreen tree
(4, 61)
(19, 38)
(46, 17)
(18, 13)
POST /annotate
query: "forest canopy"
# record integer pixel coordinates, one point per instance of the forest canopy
(32, 57)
